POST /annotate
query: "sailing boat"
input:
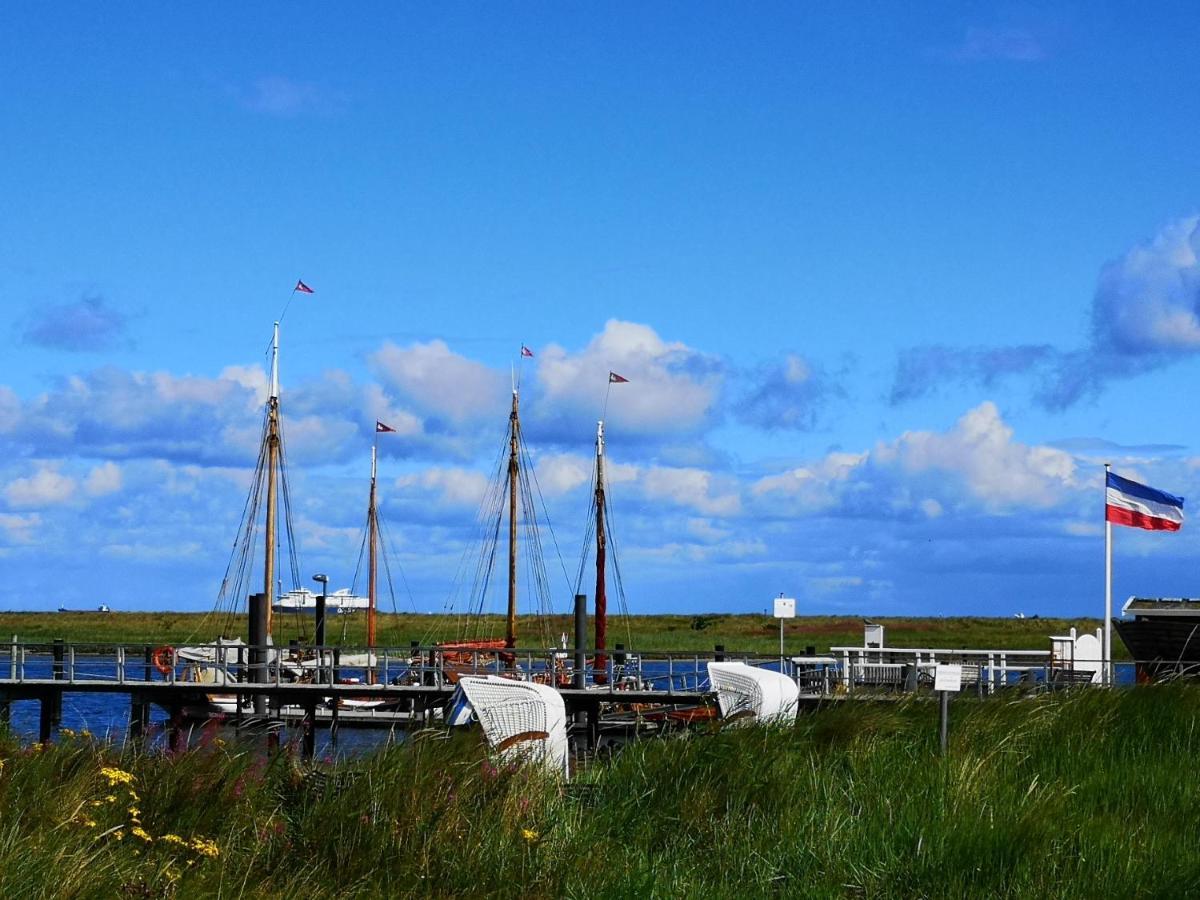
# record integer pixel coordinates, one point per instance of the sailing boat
(511, 497)
(599, 515)
(211, 665)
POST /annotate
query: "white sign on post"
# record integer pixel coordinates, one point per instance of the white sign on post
(785, 607)
(947, 677)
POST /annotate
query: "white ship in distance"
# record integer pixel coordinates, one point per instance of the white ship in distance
(336, 603)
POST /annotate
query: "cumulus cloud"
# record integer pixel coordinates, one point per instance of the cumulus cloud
(672, 388)
(45, 487)
(89, 324)
(448, 387)
(103, 479)
(1145, 314)
(695, 489)
(976, 464)
(787, 395)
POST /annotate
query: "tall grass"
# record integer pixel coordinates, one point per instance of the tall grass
(1087, 793)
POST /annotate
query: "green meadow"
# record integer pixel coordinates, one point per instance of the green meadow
(701, 632)
(1071, 794)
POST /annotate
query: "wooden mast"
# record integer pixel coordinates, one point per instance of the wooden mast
(372, 537)
(272, 478)
(514, 430)
(601, 598)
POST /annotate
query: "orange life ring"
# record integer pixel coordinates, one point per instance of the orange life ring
(163, 659)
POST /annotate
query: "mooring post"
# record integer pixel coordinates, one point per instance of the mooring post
(45, 717)
(59, 675)
(581, 630)
(259, 606)
(944, 723)
(5, 708)
(593, 725)
(309, 747)
(719, 653)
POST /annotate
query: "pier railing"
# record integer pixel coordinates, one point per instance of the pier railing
(432, 668)
(232, 665)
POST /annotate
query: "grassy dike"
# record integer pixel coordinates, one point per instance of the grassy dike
(1086, 793)
(751, 633)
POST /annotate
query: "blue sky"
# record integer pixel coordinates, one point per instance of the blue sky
(889, 287)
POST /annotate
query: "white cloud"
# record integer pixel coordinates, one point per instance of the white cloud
(20, 528)
(439, 381)
(672, 387)
(455, 486)
(977, 462)
(693, 489)
(103, 479)
(980, 450)
(46, 487)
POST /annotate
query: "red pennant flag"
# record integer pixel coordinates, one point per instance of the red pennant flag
(525, 351)
(380, 427)
(302, 288)
(614, 378)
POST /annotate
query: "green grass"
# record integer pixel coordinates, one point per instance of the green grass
(1085, 793)
(750, 633)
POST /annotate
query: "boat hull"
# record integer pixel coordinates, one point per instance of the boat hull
(1162, 647)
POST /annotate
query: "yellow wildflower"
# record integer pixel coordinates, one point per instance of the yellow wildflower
(529, 834)
(66, 732)
(1, 767)
(119, 834)
(116, 776)
(111, 798)
(205, 847)
(85, 733)
(133, 796)
(173, 839)
(139, 832)
(134, 812)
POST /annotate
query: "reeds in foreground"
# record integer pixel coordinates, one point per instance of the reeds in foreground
(1087, 793)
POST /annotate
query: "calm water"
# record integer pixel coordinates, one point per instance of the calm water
(107, 715)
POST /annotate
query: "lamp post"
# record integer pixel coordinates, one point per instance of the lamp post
(323, 580)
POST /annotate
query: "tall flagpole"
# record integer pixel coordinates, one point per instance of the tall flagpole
(1108, 669)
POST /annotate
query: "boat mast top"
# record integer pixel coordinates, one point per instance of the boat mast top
(601, 595)
(514, 432)
(272, 478)
(373, 538)
(275, 364)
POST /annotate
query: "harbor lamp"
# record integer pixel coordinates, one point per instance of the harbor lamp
(323, 580)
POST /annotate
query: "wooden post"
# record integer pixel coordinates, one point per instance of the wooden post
(59, 675)
(175, 728)
(45, 717)
(260, 605)
(309, 746)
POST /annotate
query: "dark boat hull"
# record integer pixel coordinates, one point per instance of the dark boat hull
(1162, 647)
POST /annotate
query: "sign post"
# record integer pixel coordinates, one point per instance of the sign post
(785, 608)
(947, 679)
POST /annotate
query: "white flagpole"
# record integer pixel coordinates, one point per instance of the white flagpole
(1108, 669)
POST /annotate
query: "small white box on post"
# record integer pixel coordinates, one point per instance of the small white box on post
(947, 679)
(785, 608)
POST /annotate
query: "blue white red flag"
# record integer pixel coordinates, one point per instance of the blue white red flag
(1129, 503)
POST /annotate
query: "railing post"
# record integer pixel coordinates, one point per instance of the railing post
(71, 663)
(56, 697)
